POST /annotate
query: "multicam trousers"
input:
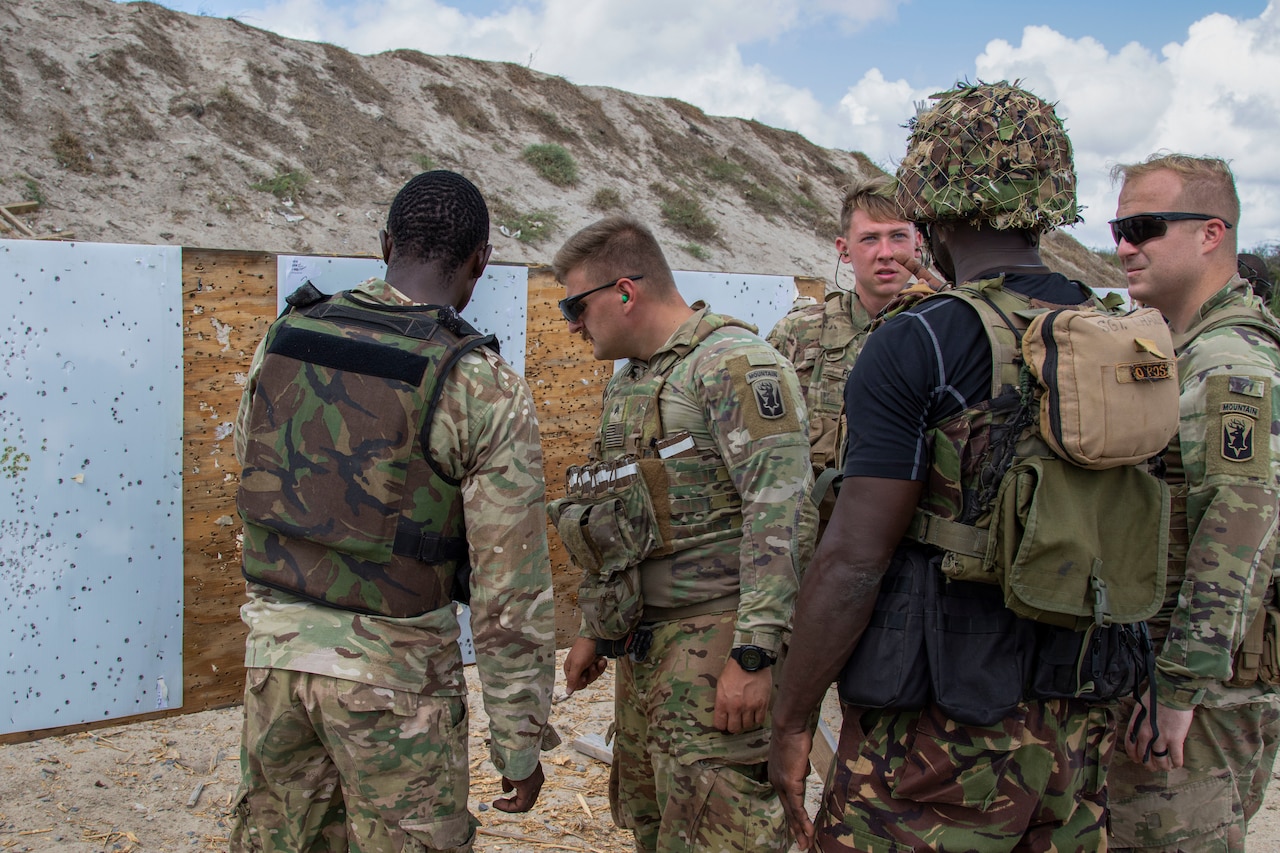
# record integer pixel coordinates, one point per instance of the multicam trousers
(1206, 804)
(332, 765)
(678, 783)
(917, 781)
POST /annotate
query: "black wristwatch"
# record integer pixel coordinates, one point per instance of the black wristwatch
(752, 658)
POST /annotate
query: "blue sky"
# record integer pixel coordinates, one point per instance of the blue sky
(1130, 78)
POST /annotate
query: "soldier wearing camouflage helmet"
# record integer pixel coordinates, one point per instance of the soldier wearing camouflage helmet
(1216, 664)
(392, 465)
(987, 171)
(692, 524)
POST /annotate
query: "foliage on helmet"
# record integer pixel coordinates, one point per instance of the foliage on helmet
(989, 153)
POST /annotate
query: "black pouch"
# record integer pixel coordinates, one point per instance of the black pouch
(980, 652)
(888, 668)
(1100, 664)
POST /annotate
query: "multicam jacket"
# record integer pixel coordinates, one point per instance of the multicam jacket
(1224, 472)
(485, 434)
(739, 401)
(823, 342)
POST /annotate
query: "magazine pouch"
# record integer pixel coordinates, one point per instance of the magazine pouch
(888, 667)
(980, 652)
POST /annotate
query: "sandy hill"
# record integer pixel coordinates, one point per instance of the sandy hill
(134, 123)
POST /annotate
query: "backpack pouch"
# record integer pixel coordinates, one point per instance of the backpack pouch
(612, 605)
(1074, 546)
(1109, 383)
(608, 537)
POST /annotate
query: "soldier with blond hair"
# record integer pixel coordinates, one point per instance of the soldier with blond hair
(691, 522)
(823, 341)
(1193, 785)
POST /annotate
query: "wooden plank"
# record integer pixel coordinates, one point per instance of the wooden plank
(13, 223)
(814, 288)
(823, 751)
(228, 301)
(568, 386)
(595, 746)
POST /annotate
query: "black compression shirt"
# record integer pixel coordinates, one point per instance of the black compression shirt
(922, 367)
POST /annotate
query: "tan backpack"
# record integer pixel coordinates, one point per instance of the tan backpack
(1108, 384)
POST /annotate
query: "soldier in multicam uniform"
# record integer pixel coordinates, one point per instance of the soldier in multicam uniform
(823, 341)
(388, 450)
(1217, 717)
(988, 170)
(706, 421)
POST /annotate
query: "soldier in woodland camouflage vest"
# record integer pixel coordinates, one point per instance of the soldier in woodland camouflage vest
(691, 524)
(823, 341)
(1217, 632)
(391, 465)
(988, 170)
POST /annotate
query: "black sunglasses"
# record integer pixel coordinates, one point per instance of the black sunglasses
(1141, 227)
(571, 307)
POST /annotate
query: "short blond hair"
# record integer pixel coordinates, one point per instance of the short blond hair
(612, 247)
(874, 197)
(1207, 185)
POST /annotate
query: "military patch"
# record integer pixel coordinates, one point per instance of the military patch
(1248, 386)
(614, 432)
(760, 379)
(1145, 371)
(1237, 438)
(1241, 406)
(768, 393)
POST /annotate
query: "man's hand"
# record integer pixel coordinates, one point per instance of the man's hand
(788, 767)
(526, 792)
(582, 665)
(1166, 750)
(742, 698)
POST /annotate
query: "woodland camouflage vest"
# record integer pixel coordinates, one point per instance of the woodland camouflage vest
(342, 504)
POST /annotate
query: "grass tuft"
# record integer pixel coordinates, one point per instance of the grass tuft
(553, 163)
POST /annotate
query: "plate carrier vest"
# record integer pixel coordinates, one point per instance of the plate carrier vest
(342, 503)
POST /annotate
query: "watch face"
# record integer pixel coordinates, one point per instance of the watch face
(750, 659)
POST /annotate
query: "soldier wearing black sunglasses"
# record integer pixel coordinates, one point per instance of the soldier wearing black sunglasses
(1142, 227)
(1219, 724)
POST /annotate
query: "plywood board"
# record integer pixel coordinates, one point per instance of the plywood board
(90, 483)
(228, 299)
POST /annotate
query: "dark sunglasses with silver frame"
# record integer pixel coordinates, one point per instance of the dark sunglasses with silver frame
(1141, 227)
(571, 307)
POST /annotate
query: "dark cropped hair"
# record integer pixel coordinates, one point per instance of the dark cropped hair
(438, 215)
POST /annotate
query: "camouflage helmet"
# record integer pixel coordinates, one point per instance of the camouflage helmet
(989, 153)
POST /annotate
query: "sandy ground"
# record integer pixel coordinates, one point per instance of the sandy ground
(167, 785)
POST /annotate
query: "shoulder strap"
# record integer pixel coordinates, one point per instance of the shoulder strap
(1239, 315)
(651, 427)
(998, 309)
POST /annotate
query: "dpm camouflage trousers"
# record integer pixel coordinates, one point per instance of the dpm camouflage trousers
(1205, 805)
(677, 782)
(918, 781)
(329, 765)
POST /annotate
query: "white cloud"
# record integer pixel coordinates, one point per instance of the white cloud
(1211, 94)
(875, 111)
